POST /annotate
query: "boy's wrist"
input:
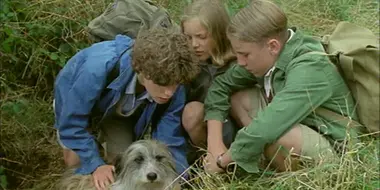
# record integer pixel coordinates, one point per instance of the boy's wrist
(215, 132)
(91, 165)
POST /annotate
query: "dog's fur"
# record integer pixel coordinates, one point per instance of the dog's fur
(143, 157)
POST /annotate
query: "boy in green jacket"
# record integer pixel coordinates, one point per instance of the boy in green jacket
(273, 93)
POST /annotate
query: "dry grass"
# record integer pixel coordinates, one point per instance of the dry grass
(27, 139)
(357, 169)
(41, 35)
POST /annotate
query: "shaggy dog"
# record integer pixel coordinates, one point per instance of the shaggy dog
(145, 165)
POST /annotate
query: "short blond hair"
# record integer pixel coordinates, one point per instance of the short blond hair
(214, 17)
(258, 21)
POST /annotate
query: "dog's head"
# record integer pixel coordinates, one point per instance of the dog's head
(146, 164)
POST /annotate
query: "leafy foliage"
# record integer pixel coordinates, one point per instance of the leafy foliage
(39, 36)
(3, 178)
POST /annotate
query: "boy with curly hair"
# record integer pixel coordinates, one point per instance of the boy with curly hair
(146, 93)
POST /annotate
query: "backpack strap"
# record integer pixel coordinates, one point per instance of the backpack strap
(343, 120)
(160, 18)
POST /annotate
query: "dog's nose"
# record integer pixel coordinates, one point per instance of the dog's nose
(151, 176)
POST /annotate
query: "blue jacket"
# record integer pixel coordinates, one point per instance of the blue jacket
(79, 87)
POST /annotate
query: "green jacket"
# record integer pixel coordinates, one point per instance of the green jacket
(300, 83)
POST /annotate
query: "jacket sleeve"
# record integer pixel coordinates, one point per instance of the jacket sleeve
(217, 103)
(170, 131)
(77, 88)
(306, 88)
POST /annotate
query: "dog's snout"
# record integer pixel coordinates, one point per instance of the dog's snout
(151, 176)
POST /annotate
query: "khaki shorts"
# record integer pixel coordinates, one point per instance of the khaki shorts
(115, 134)
(314, 146)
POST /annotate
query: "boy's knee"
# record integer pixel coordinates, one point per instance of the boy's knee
(291, 140)
(241, 107)
(193, 115)
(71, 158)
(241, 100)
(288, 149)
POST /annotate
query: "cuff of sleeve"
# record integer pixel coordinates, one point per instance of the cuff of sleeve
(215, 115)
(90, 166)
(251, 165)
(244, 154)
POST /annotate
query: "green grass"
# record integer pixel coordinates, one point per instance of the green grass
(39, 36)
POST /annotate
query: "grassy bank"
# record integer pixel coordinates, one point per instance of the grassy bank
(39, 36)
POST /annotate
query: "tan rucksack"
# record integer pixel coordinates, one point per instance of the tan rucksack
(355, 51)
(128, 17)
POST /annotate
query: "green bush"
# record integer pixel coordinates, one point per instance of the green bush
(39, 37)
(3, 178)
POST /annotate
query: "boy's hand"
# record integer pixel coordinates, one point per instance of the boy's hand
(209, 161)
(103, 176)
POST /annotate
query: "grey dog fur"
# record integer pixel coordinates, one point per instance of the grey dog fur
(132, 168)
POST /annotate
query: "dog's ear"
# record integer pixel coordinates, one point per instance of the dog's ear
(118, 164)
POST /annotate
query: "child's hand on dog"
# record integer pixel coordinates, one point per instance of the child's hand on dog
(103, 176)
